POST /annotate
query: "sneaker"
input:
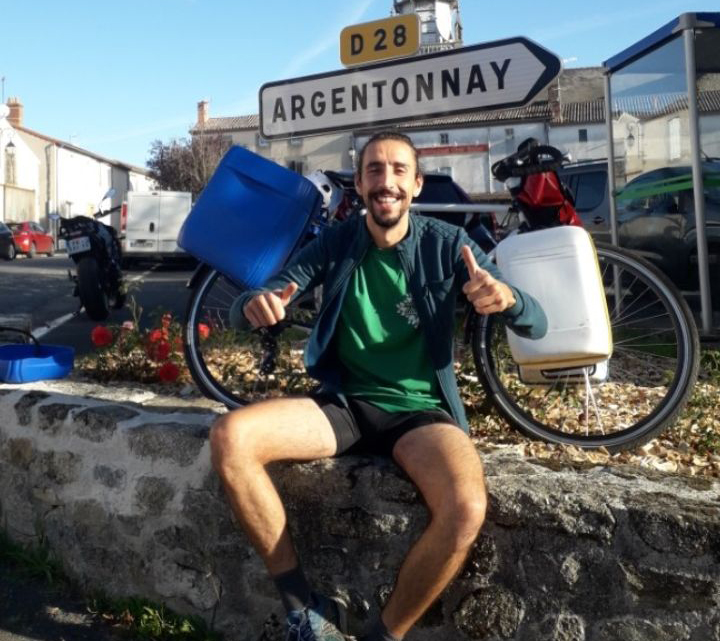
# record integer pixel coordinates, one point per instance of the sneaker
(323, 619)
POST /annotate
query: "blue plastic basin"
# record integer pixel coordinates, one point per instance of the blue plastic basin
(26, 363)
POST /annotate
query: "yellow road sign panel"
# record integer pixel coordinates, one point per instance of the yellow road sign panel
(380, 40)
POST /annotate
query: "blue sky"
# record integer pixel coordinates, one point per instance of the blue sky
(113, 76)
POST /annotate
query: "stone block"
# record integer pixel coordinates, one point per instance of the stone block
(20, 452)
(98, 424)
(51, 416)
(669, 589)
(23, 408)
(553, 507)
(489, 613)
(111, 477)
(482, 560)
(640, 629)
(178, 442)
(562, 627)
(59, 468)
(687, 530)
(152, 494)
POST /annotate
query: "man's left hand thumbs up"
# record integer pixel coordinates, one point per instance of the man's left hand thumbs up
(486, 294)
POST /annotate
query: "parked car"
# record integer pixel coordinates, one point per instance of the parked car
(655, 216)
(7, 245)
(588, 184)
(31, 239)
(440, 189)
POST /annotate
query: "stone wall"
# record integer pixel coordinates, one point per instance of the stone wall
(124, 493)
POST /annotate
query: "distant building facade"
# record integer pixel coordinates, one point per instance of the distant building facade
(65, 180)
(570, 115)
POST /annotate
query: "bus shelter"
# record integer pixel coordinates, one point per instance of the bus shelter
(662, 109)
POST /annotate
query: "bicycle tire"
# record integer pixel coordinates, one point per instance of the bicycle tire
(227, 364)
(651, 372)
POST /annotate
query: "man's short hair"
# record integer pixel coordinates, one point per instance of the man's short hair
(389, 134)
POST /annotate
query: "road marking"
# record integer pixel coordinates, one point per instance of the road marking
(48, 327)
(39, 332)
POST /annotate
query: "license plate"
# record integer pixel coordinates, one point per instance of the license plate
(77, 245)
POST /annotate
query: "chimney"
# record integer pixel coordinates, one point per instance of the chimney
(555, 101)
(202, 113)
(15, 118)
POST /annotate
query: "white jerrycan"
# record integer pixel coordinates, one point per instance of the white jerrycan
(559, 268)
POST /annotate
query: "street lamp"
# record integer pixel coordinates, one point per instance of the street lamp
(630, 139)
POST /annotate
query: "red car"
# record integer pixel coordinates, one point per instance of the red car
(31, 239)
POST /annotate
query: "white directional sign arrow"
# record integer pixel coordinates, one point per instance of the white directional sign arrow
(494, 75)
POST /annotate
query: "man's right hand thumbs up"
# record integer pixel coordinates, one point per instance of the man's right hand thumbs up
(268, 308)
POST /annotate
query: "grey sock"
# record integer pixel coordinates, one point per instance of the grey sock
(379, 633)
(294, 589)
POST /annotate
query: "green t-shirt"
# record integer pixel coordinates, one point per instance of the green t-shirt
(379, 340)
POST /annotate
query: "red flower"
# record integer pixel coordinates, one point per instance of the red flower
(168, 372)
(158, 351)
(156, 335)
(203, 330)
(166, 320)
(101, 336)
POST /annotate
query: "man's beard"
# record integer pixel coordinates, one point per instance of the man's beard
(385, 222)
(381, 220)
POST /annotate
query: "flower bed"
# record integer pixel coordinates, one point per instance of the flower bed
(155, 357)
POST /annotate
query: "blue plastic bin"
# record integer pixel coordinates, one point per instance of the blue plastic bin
(23, 363)
(249, 218)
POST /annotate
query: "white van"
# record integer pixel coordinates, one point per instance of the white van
(149, 224)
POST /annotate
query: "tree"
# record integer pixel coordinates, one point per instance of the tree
(186, 165)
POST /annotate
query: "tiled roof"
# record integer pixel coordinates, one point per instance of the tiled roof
(652, 106)
(232, 123)
(583, 112)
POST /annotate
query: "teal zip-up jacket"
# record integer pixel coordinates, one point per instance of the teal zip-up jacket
(432, 261)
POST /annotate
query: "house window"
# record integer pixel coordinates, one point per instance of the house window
(582, 135)
(444, 139)
(674, 138)
(261, 142)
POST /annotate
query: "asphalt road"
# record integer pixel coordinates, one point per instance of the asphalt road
(40, 287)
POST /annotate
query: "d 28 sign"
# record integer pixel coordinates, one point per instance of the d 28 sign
(380, 40)
(495, 75)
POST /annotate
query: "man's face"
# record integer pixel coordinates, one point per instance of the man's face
(388, 181)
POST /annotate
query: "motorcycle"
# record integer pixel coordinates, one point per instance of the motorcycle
(95, 249)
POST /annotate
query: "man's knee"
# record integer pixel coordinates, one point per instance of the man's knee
(462, 515)
(226, 435)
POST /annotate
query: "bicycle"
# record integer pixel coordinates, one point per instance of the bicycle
(628, 400)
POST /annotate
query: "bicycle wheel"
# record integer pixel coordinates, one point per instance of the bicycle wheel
(648, 378)
(239, 366)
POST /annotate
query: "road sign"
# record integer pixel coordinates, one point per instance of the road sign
(380, 40)
(494, 75)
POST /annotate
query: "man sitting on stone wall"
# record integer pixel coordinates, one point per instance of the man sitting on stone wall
(382, 349)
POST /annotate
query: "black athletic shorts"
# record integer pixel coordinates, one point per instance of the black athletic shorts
(362, 428)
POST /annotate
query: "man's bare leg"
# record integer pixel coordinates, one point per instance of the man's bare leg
(243, 442)
(445, 466)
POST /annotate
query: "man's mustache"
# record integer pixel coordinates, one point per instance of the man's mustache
(388, 192)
